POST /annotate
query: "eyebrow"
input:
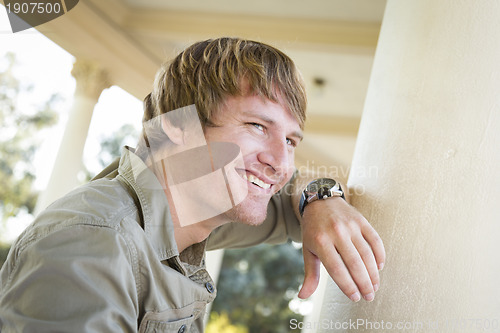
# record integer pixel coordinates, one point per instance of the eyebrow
(270, 121)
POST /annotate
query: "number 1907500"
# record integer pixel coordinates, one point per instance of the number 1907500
(34, 8)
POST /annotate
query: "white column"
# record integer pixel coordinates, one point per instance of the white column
(431, 127)
(213, 262)
(91, 80)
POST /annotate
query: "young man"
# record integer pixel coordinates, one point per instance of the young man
(213, 169)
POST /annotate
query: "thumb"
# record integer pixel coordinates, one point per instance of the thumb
(311, 276)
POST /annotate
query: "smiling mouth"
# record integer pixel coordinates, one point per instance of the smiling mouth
(256, 181)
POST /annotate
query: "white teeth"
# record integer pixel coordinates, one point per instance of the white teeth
(256, 181)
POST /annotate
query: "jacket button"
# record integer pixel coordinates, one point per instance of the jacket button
(182, 329)
(209, 287)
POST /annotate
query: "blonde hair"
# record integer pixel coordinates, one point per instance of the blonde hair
(207, 72)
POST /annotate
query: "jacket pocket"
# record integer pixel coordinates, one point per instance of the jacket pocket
(177, 326)
(173, 320)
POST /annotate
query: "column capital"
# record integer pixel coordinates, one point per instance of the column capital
(91, 78)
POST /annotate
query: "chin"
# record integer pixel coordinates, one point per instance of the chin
(249, 214)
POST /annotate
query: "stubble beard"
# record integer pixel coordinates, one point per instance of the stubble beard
(244, 214)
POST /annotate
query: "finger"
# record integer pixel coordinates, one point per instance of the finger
(366, 253)
(339, 273)
(311, 274)
(357, 269)
(376, 243)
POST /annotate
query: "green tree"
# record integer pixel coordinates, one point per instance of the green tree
(256, 285)
(20, 129)
(222, 324)
(21, 125)
(111, 147)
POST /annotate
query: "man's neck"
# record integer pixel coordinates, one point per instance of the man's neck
(193, 233)
(185, 236)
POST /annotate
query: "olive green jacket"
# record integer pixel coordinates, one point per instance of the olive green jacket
(104, 259)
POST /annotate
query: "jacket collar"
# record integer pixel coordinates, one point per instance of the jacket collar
(157, 219)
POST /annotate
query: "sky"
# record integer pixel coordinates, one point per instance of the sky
(48, 68)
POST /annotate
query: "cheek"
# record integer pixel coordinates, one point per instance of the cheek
(249, 147)
(291, 165)
(288, 173)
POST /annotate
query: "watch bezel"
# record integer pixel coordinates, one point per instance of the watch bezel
(314, 187)
(329, 188)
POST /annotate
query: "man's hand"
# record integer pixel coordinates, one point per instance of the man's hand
(352, 252)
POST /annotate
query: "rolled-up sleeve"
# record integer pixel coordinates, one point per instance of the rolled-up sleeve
(63, 282)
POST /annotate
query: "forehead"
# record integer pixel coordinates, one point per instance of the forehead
(270, 93)
(256, 106)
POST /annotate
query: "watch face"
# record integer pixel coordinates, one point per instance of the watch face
(321, 185)
(321, 188)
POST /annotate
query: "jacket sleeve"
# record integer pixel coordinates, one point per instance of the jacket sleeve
(280, 225)
(62, 283)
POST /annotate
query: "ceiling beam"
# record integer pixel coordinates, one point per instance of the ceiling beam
(296, 32)
(332, 124)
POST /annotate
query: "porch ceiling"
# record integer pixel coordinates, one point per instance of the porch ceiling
(332, 41)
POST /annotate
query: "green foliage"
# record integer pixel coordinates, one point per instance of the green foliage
(20, 126)
(222, 324)
(111, 146)
(256, 284)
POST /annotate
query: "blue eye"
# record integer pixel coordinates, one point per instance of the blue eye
(291, 142)
(258, 126)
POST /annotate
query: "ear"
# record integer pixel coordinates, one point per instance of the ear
(175, 134)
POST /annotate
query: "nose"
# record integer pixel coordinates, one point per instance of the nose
(275, 154)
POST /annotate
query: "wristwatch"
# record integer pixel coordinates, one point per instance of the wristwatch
(321, 188)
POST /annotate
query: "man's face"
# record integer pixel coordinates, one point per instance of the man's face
(267, 135)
